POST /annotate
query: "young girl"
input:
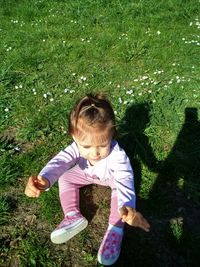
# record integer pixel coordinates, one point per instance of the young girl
(93, 158)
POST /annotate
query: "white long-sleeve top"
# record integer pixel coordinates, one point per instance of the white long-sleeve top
(115, 166)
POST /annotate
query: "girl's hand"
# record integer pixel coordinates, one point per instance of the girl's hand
(134, 218)
(36, 185)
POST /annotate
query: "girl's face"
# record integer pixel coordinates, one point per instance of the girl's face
(93, 148)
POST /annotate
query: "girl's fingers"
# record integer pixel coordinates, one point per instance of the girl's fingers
(123, 211)
(31, 189)
(139, 221)
(145, 227)
(143, 223)
(123, 218)
(32, 193)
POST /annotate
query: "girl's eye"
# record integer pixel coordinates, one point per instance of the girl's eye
(86, 147)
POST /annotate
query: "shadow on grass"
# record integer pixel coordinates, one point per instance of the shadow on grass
(173, 204)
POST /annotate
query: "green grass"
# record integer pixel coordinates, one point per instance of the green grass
(4, 210)
(145, 56)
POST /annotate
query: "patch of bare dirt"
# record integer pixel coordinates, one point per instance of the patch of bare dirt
(139, 248)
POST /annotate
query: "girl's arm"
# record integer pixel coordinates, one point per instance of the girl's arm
(63, 161)
(124, 181)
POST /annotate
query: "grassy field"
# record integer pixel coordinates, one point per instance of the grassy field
(145, 55)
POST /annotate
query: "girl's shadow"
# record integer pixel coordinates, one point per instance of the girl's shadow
(134, 141)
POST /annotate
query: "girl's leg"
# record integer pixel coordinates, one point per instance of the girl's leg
(110, 247)
(114, 218)
(74, 222)
(69, 185)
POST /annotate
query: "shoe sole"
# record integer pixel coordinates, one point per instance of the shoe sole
(107, 262)
(66, 234)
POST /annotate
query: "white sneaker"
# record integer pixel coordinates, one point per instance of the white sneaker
(69, 227)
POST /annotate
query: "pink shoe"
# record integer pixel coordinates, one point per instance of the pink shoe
(69, 227)
(110, 247)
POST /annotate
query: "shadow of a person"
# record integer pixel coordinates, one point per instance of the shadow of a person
(174, 196)
(175, 193)
(134, 141)
(180, 170)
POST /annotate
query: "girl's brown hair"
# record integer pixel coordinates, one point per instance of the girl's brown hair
(92, 112)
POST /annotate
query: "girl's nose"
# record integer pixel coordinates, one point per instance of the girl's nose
(95, 151)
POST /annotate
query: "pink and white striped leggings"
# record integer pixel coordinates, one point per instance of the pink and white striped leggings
(70, 183)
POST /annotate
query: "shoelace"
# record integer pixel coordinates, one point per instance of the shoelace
(69, 220)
